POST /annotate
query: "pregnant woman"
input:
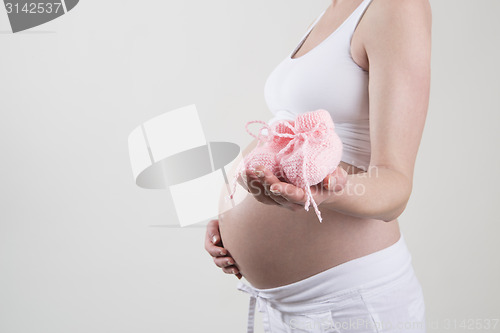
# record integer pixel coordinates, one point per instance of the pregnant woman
(367, 62)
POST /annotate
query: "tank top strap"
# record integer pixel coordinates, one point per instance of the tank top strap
(314, 24)
(353, 20)
(307, 33)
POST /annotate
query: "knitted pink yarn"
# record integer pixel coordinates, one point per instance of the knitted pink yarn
(313, 153)
(266, 150)
(303, 152)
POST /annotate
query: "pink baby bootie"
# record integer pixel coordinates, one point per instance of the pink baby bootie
(265, 152)
(313, 152)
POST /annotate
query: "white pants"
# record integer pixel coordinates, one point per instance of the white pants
(378, 292)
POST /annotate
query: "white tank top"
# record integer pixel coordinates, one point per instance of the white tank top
(327, 78)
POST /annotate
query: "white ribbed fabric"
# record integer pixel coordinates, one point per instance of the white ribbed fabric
(327, 78)
(378, 292)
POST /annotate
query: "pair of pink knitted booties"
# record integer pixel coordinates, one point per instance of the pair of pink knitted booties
(301, 152)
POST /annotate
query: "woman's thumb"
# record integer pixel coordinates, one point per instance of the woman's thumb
(330, 182)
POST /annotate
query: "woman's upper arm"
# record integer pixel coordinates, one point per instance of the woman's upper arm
(398, 46)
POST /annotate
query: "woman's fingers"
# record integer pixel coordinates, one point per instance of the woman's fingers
(212, 238)
(219, 254)
(213, 234)
(336, 180)
(291, 193)
(242, 180)
(257, 189)
(230, 270)
(228, 265)
(224, 262)
(267, 179)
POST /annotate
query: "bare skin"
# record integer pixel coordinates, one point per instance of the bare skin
(269, 238)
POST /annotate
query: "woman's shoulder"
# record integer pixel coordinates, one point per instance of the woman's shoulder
(387, 13)
(396, 21)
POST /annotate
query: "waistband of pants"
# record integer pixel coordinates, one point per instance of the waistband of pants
(337, 283)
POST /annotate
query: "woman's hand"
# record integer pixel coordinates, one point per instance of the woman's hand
(213, 245)
(268, 189)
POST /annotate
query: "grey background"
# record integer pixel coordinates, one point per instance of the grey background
(79, 250)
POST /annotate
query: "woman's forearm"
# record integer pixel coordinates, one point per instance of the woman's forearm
(379, 193)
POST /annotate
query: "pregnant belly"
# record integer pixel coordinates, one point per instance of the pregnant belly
(274, 246)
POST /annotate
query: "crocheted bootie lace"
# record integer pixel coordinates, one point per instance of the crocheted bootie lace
(265, 152)
(302, 152)
(313, 152)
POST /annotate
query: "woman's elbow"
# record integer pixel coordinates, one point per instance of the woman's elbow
(393, 215)
(400, 207)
